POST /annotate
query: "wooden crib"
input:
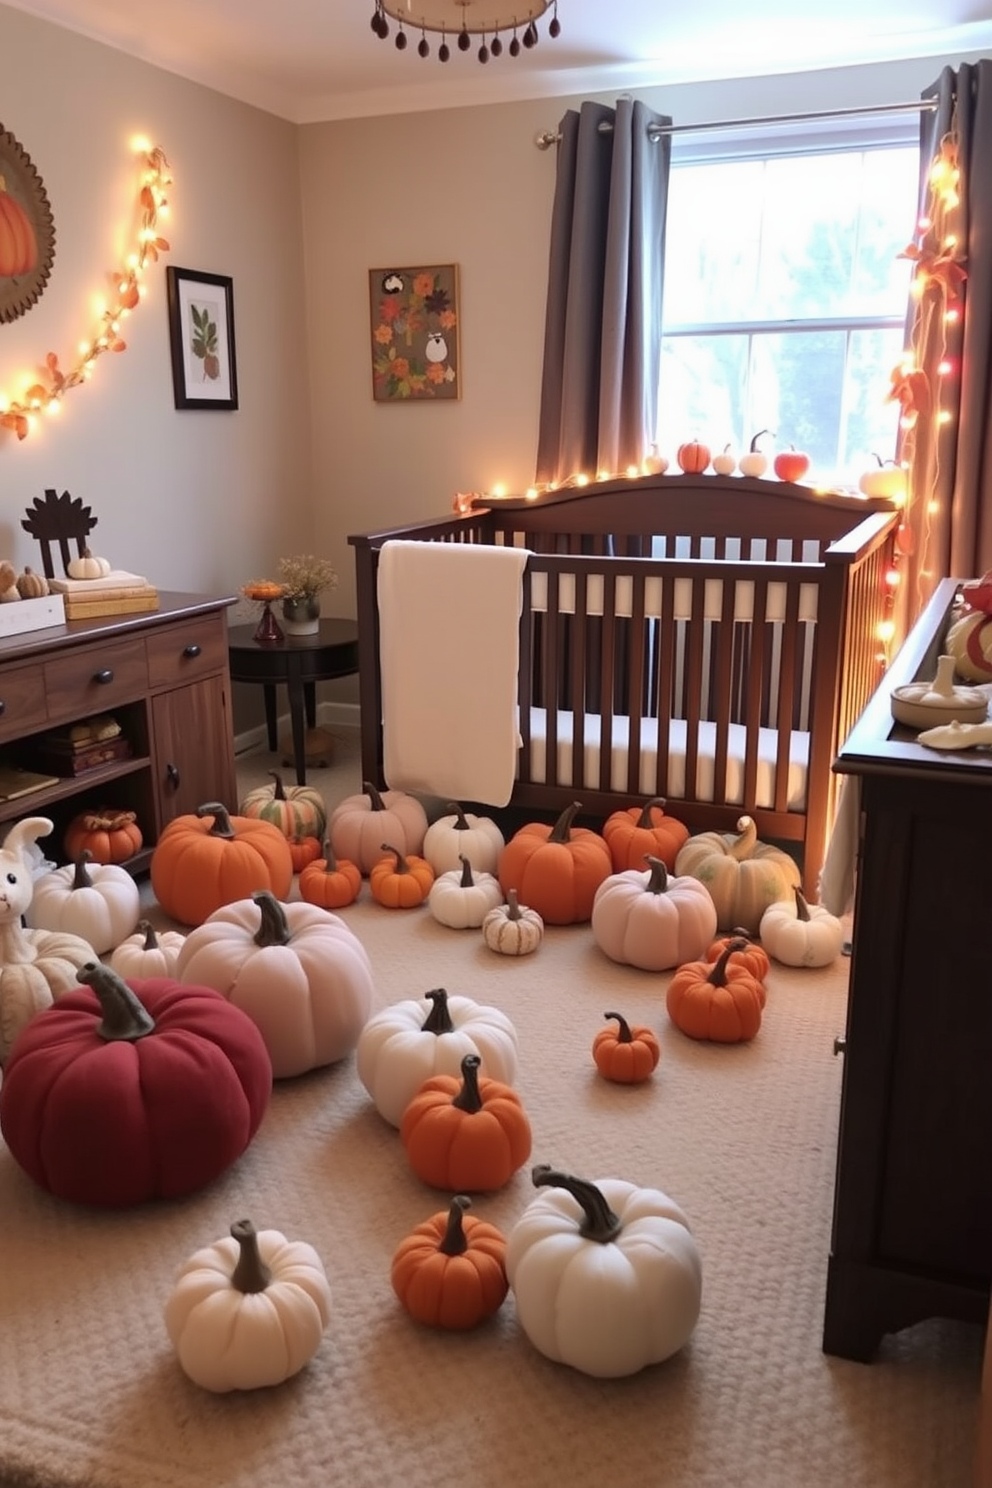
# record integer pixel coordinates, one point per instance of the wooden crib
(708, 639)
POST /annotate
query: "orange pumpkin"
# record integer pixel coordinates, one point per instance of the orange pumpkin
(400, 880)
(751, 954)
(450, 1271)
(303, 850)
(693, 457)
(556, 870)
(330, 882)
(18, 245)
(109, 835)
(470, 1133)
(719, 1000)
(202, 862)
(640, 831)
(628, 1055)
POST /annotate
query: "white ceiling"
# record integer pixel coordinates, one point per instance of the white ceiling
(310, 60)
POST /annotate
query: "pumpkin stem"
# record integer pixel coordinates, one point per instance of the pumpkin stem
(221, 824)
(439, 1018)
(467, 881)
(718, 973)
(273, 927)
(455, 1241)
(327, 853)
(460, 823)
(512, 905)
(624, 1035)
(469, 1098)
(402, 866)
(561, 830)
(598, 1222)
(802, 905)
(644, 820)
(125, 1017)
(744, 846)
(81, 879)
(251, 1274)
(377, 803)
(279, 794)
(151, 939)
(658, 881)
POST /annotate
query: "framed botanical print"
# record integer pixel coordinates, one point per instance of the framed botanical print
(201, 333)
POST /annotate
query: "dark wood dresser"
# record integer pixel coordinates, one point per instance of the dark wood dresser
(162, 676)
(912, 1227)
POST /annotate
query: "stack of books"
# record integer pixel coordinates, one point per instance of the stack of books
(117, 593)
(82, 747)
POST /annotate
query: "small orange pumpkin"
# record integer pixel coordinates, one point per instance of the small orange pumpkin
(450, 1271)
(556, 870)
(693, 457)
(18, 245)
(204, 861)
(628, 1055)
(109, 835)
(400, 880)
(303, 850)
(470, 1133)
(719, 1000)
(640, 831)
(752, 954)
(330, 882)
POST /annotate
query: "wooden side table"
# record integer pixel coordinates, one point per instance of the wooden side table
(298, 661)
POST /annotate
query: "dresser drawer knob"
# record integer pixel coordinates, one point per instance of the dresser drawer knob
(192, 651)
(105, 675)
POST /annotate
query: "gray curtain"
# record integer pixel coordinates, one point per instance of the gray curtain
(949, 509)
(602, 342)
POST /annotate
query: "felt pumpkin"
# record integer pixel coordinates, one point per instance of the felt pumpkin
(360, 824)
(330, 882)
(31, 585)
(626, 1054)
(466, 1132)
(748, 951)
(635, 832)
(108, 835)
(148, 953)
(98, 901)
(303, 850)
(400, 880)
(87, 565)
(450, 1271)
(652, 920)
(401, 1047)
(513, 929)
(802, 934)
(209, 859)
(249, 1310)
(742, 874)
(297, 810)
(716, 1000)
(461, 899)
(122, 1092)
(459, 835)
(296, 970)
(606, 1276)
(36, 966)
(556, 870)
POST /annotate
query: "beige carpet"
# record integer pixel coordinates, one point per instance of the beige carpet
(743, 1138)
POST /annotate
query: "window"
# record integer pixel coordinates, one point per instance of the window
(785, 300)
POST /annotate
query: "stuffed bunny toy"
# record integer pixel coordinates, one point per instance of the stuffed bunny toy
(35, 965)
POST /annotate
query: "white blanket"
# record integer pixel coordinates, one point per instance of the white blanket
(449, 616)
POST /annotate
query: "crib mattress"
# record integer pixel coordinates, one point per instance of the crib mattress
(729, 791)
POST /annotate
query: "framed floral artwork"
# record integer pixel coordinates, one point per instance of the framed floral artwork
(201, 335)
(414, 333)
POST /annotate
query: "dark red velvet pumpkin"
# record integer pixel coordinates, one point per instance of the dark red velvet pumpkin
(122, 1092)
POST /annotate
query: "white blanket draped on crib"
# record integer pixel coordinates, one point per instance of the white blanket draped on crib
(449, 617)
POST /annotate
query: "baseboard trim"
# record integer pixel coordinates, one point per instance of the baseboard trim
(344, 715)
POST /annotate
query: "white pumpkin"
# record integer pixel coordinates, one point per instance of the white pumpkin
(399, 1047)
(462, 834)
(653, 920)
(249, 1310)
(298, 971)
(100, 902)
(801, 934)
(606, 1276)
(461, 899)
(88, 566)
(148, 953)
(513, 929)
(360, 824)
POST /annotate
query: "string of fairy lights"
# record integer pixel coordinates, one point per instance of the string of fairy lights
(46, 387)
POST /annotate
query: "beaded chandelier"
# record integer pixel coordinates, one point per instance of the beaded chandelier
(490, 20)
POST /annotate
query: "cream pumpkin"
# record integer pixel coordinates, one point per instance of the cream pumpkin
(742, 874)
(98, 901)
(148, 953)
(461, 899)
(513, 929)
(653, 920)
(461, 834)
(360, 824)
(801, 934)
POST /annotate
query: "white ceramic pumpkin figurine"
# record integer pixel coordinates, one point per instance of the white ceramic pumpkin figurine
(461, 899)
(606, 1276)
(298, 971)
(461, 834)
(249, 1310)
(653, 920)
(148, 953)
(798, 933)
(98, 901)
(36, 966)
(400, 1047)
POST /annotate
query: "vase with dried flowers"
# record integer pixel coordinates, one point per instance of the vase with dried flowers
(304, 579)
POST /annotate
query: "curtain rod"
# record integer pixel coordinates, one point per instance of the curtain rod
(550, 137)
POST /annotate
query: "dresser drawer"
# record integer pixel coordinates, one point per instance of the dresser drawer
(93, 678)
(22, 701)
(184, 653)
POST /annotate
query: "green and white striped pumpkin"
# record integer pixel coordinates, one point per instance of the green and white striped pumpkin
(297, 810)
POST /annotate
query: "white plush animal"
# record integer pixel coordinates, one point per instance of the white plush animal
(35, 965)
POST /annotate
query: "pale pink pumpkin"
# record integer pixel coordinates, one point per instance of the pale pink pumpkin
(652, 919)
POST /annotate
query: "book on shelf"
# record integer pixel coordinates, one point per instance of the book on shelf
(17, 782)
(109, 603)
(77, 760)
(117, 579)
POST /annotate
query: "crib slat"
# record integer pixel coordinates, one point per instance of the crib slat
(579, 644)
(786, 697)
(609, 683)
(757, 665)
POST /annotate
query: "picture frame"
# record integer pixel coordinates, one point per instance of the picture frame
(201, 335)
(414, 322)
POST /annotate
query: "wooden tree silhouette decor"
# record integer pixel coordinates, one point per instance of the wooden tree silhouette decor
(59, 519)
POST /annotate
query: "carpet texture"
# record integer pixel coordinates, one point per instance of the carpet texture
(743, 1138)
